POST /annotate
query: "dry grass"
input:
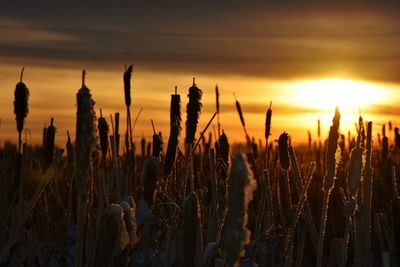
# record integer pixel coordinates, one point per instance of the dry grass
(97, 206)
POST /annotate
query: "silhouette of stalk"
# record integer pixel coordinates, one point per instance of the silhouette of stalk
(239, 110)
(267, 133)
(130, 183)
(203, 132)
(175, 127)
(103, 133)
(21, 97)
(364, 220)
(308, 218)
(85, 144)
(127, 94)
(285, 164)
(49, 145)
(299, 208)
(116, 133)
(157, 142)
(331, 163)
(151, 172)
(241, 185)
(217, 107)
(21, 109)
(193, 110)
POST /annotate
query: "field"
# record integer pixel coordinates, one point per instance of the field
(194, 199)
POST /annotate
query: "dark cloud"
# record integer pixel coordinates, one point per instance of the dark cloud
(268, 40)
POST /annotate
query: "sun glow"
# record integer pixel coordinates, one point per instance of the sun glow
(317, 99)
(349, 95)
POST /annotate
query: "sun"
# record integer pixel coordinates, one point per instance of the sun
(349, 95)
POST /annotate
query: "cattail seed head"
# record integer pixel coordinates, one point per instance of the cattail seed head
(223, 151)
(116, 237)
(103, 132)
(355, 170)
(193, 110)
(283, 151)
(241, 185)
(86, 139)
(217, 98)
(175, 110)
(150, 176)
(239, 110)
(127, 85)
(157, 145)
(49, 146)
(332, 159)
(268, 118)
(21, 97)
(130, 220)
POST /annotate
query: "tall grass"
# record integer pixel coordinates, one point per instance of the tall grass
(215, 204)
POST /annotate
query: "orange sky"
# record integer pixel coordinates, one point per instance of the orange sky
(301, 57)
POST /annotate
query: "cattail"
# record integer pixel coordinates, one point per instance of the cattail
(116, 134)
(85, 144)
(157, 145)
(173, 142)
(103, 133)
(283, 151)
(390, 125)
(157, 142)
(143, 146)
(21, 97)
(115, 237)
(151, 173)
(49, 147)
(331, 162)
(127, 85)
(239, 110)
(241, 185)
(223, 151)
(217, 108)
(268, 121)
(193, 110)
(191, 230)
(355, 170)
(85, 133)
(175, 109)
(129, 207)
(217, 98)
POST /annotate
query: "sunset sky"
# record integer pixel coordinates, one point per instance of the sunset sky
(305, 58)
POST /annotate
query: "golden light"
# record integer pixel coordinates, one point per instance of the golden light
(349, 95)
(317, 100)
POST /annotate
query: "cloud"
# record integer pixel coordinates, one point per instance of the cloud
(14, 32)
(264, 40)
